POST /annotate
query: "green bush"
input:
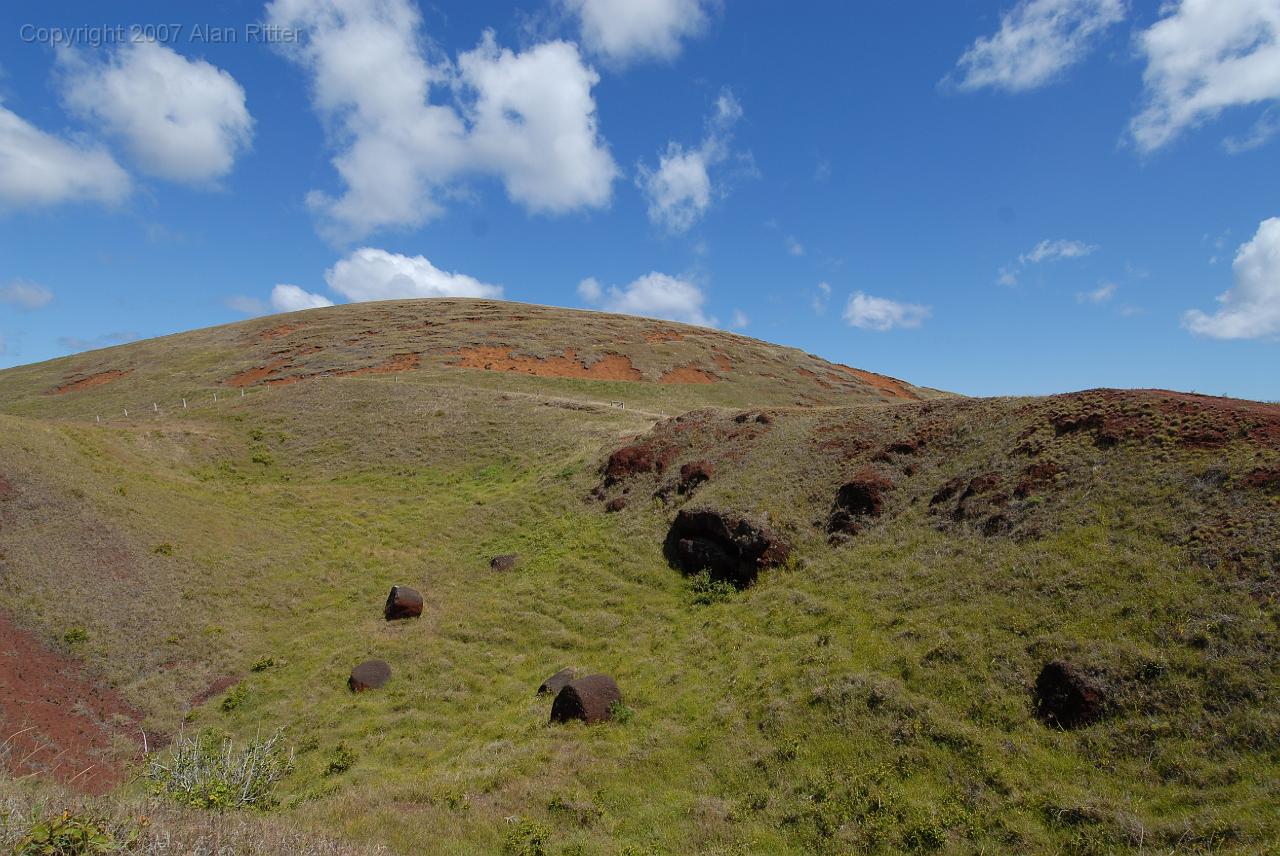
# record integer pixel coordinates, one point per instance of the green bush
(528, 838)
(235, 698)
(75, 634)
(340, 761)
(165, 549)
(261, 665)
(621, 713)
(704, 590)
(205, 773)
(73, 834)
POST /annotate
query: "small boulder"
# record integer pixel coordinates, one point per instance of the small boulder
(859, 499)
(403, 602)
(1066, 696)
(590, 699)
(369, 675)
(728, 546)
(505, 562)
(558, 681)
(692, 475)
(616, 504)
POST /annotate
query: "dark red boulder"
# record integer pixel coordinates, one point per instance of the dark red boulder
(558, 681)
(728, 546)
(1069, 697)
(504, 562)
(692, 475)
(403, 602)
(590, 699)
(618, 503)
(369, 675)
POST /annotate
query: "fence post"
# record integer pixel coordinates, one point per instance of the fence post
(126, 411)
(184, 404)
(215, 397)
(97, 420)
(155, 407)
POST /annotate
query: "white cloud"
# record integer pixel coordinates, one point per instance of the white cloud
(37, 168)
(1045, 251)
(680, 190)
(1102, 294)
(183, 120)
(25, 294)
(739, 320)
(1203, 57)
(1055, 250)
(527, 118)
(1251, 309)
(654, 295)
(623, 31)
(1262, 132)
(794, 247)
(533, 122)
(371, 274)
(291, 298)
(881, 314)
(1038, 40)
(821, 298)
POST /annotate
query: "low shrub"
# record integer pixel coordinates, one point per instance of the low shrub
(206, 773)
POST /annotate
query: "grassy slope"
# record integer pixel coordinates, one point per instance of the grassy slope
(876, 696)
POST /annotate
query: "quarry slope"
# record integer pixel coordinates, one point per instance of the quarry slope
(222, 567)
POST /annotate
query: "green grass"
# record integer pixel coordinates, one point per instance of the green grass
(873, 697)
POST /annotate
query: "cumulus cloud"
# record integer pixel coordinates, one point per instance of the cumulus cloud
(1045, 251)
(680, 189)
(624, 31)
(1203, 57)
(25, 294)
(654, 295)
(527, 118)
(181, 119)
(794, 247)
(881, 314)
(246, 305)
(372, 274)
(1038, 40)
(739, 320)
(38, 168)
(291, 298)
(1251, 309)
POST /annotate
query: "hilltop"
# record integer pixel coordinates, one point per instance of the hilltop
(897, 577)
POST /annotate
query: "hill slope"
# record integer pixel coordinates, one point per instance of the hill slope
(224, 566)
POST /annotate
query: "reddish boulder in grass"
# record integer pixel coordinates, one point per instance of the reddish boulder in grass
(1261, 478)
(1066, 696)
(558, 681)
(369, 675)
(634, 460)
(692, 475)
(861, 498)
(616, 504)
(403, 602)
(727, 546)
(590, 699)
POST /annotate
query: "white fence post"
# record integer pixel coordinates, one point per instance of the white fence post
(184, 404)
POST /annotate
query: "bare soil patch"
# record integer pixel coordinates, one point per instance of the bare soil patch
(889, 386)
(504, 359)
(56, 721)
(686, 374)
(89, 382)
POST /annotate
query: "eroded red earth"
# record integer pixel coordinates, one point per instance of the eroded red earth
(56, 721)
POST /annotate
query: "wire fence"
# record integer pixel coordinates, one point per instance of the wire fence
(221, 396)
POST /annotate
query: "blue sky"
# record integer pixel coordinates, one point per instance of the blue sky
(987, 197)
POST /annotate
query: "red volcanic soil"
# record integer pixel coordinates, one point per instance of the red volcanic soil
(504, 359)
(277, 331)
(687, 374)
(99, 379)
(249, 377)
(55, 721)
(887, 385)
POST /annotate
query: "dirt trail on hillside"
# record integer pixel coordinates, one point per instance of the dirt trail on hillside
(55, 721)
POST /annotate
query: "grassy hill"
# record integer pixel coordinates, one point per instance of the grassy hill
(220, 567)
